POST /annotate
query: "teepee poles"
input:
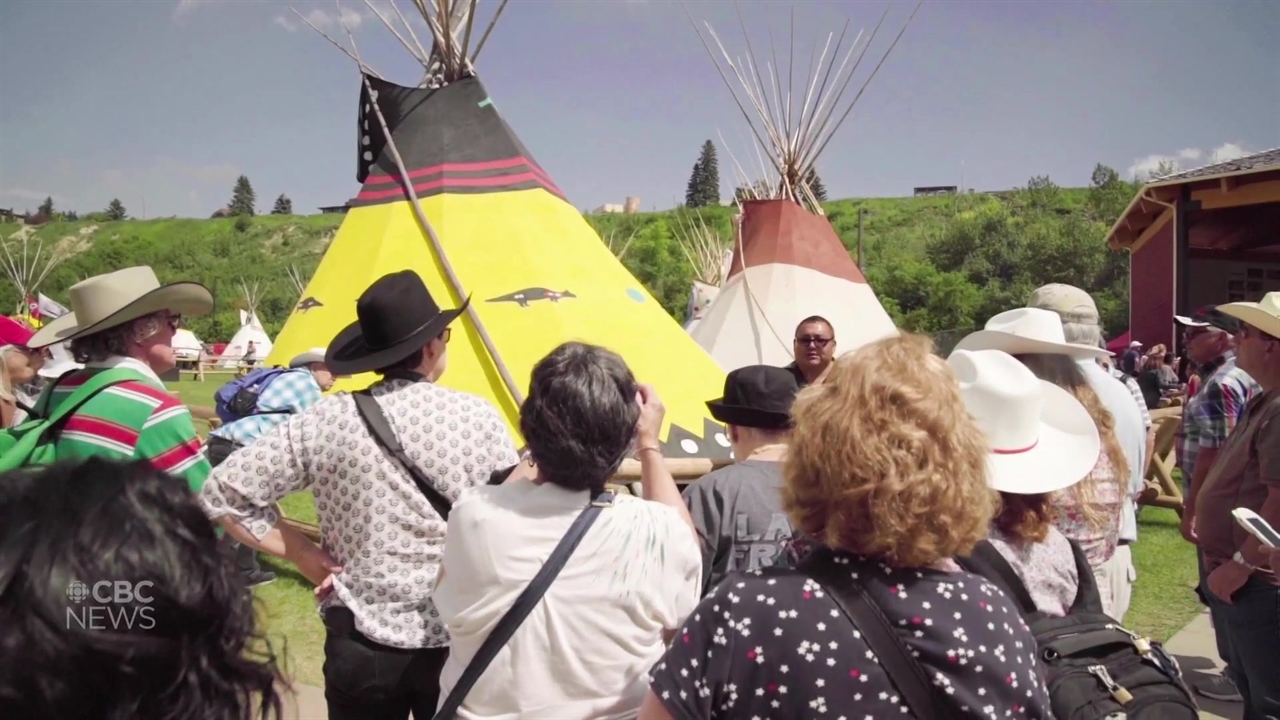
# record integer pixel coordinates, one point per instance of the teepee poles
(450, 275)
(295, 277)
(27, 268)
(793, 134)
(702, 247)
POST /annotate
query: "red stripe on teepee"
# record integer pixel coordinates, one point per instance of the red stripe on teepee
(423, 187)
(463, 167)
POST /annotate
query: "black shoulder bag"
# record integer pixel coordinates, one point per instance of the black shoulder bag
(376, 421)
(523, 605)
(904, 671)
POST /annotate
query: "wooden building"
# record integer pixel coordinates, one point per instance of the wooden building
(1200, 237)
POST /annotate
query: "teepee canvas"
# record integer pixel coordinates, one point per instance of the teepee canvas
(788, 263)
(709, 256)
(250, 331)
(489, 223)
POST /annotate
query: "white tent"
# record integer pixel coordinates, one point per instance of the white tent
(186, 346)
(250, 331)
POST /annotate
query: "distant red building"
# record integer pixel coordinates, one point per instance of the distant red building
(1204, 236)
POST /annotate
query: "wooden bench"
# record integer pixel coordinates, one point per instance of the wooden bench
(1162, 490)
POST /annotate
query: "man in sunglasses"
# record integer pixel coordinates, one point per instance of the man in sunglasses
(814, 348)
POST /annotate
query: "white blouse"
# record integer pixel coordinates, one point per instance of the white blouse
(586, 649)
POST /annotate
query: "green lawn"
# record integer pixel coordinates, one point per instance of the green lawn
(1163, 600)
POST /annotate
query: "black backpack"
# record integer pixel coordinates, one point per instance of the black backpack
(1094, 668)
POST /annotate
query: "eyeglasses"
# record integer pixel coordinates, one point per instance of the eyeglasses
(814, 340)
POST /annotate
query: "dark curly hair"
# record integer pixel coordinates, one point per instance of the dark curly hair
(580, 416)
(116, 602)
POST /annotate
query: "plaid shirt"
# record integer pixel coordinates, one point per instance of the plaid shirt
(292, 391)
(1212, 413)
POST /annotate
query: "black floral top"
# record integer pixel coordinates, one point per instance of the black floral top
(771, 644)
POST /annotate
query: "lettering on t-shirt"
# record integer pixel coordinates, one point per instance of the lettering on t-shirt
(755, 548)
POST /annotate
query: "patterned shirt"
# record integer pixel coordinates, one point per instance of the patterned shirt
(1211, 414)
(292, 392)
(133, 420)
(1136, 390)
(771, 644)
(1098, 542)
(1047, 569)
(374, 520)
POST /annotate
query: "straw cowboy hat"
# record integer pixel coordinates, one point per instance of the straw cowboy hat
(1264, 315)
(1027, 331)
(113, 299)
(1042, 438)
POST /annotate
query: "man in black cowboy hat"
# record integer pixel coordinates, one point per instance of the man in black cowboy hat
(737, 510)
(383, 521)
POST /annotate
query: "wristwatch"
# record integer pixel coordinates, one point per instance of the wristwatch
(1238, 558)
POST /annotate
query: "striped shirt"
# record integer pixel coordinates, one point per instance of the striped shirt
(133, 420)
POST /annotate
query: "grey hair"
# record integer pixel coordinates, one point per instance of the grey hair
(1083, 333)
(580, 416)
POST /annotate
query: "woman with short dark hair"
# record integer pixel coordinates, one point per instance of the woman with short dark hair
(585, 649)
(116, 602)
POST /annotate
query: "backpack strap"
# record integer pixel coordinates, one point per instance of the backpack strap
(1088, 598)
(524, 604)
(376, 421)
(91, 387)
(906, 673)
(986, 560)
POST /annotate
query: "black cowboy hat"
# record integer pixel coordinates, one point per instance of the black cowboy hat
(1209, 316)
(757, 396)
(396, 316)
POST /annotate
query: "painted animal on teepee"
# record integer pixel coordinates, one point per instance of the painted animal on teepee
(449, 191)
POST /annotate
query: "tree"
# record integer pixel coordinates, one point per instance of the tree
(71, 216)
(243, 198)
(284, 206)
(46, 208)
(1108, 195)
(115, 210)
(815, 185)
(1166, 167)
(704, 182)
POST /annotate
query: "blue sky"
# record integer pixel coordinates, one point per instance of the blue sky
(166, 102)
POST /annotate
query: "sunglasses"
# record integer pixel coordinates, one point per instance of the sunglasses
(814, 340)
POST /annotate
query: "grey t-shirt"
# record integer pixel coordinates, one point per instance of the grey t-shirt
(737, 511)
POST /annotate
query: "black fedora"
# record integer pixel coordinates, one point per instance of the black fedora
(396, 316)
(757, 396)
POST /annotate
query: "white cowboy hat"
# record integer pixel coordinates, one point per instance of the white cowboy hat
(1026, 331)
(1042, 438)
(113, 299)
(1264, 315)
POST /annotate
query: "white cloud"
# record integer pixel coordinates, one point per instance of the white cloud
(1186, 159)
(323, 19)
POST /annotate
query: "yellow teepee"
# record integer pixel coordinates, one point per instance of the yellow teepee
(537, 273)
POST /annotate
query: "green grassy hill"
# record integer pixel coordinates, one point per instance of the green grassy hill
(219, 252)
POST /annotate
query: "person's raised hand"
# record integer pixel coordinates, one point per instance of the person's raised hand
(651, 413)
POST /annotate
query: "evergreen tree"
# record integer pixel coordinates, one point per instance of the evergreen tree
(115, 210)
(284, 206)
(46, 208)
(815, 185)
(243, 198)
(704, 182)
(71, 216)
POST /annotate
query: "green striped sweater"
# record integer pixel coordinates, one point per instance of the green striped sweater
(133, 420)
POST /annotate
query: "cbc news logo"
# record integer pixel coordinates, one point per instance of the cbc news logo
(117, 605)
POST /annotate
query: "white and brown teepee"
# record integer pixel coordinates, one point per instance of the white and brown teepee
(709, 255)
(788, 263)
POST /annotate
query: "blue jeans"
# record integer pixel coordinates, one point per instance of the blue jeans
(1252, 626)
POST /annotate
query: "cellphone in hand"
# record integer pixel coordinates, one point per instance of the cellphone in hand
(1257, 527)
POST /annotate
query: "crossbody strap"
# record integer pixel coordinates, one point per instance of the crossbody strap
(376, 421)
(906, 673)
(1088, 597)
(523, 605)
